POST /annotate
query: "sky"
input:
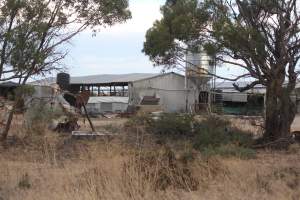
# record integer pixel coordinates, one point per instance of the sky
(117, 49)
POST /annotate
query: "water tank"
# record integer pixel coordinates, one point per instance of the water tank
(63, 80)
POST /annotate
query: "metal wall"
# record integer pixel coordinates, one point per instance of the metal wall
(105, 107)
(169, 88)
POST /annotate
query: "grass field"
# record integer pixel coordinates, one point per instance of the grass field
(135, 166)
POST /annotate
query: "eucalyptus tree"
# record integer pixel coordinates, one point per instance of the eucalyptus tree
(260, 36)
(34, 33)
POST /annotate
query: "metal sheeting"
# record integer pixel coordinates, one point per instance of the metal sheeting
(235, 97)
(110, 78)
(99, 79)
(170, 89)
(104, 107)
(108, 99)
(97, 105)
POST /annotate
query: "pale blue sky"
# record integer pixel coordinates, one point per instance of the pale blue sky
(117, 49)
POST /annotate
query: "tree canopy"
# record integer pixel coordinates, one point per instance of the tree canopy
(260, 36)
(33, 34)
(33, 31)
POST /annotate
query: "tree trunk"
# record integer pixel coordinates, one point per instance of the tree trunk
(280, 112)
(8, 124)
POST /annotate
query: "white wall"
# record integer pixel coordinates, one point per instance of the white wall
(102, 107)
(170, 88)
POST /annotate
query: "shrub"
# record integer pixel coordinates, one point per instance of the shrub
(230, 150)
(39, 115)
(210, 136)
(162, 169)
(215, 131)
(138, 120)
(172, 124)
(216, 136)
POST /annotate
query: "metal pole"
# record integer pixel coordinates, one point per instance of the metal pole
(186, 91)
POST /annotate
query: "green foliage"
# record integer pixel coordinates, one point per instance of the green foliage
(172, 124)
(182, 20)
(217, 136)
(24, 91)
(138, 120)
(259, 36)
(39, 115)
(214, 132)
(230, 151)
(211, 136)
(33, 31)
(20, 93)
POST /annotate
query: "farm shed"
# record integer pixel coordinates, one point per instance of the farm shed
(170, 89)
(250, 102)
(175, 93)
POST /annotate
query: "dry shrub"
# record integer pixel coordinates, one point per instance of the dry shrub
(59, 167)
(39, 116)
(162, 169)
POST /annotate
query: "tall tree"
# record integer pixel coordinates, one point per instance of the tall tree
(260, 36)
(34, 33)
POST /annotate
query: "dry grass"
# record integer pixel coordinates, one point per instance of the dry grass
(57, 167)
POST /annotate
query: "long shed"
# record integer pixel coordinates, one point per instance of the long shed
(170, 89)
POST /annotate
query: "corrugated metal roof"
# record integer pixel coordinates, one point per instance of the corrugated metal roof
(110, 78)
(108, 99)
(229, 85)
(99, 79)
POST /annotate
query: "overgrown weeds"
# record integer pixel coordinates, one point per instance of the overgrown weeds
(39, 116)
(217, 136)
(212, 135)
(163, 170)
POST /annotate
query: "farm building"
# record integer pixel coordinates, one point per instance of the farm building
(170, 89)
(113, 93)
(250, 102)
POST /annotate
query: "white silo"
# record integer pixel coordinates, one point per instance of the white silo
(200, 67)
(199, 64)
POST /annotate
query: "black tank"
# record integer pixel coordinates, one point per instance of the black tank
(63, 80)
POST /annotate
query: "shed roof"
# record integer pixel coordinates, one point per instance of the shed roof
(229, 85)
(100, 79)
(110, 78)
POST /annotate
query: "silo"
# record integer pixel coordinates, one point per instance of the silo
(199, 64)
